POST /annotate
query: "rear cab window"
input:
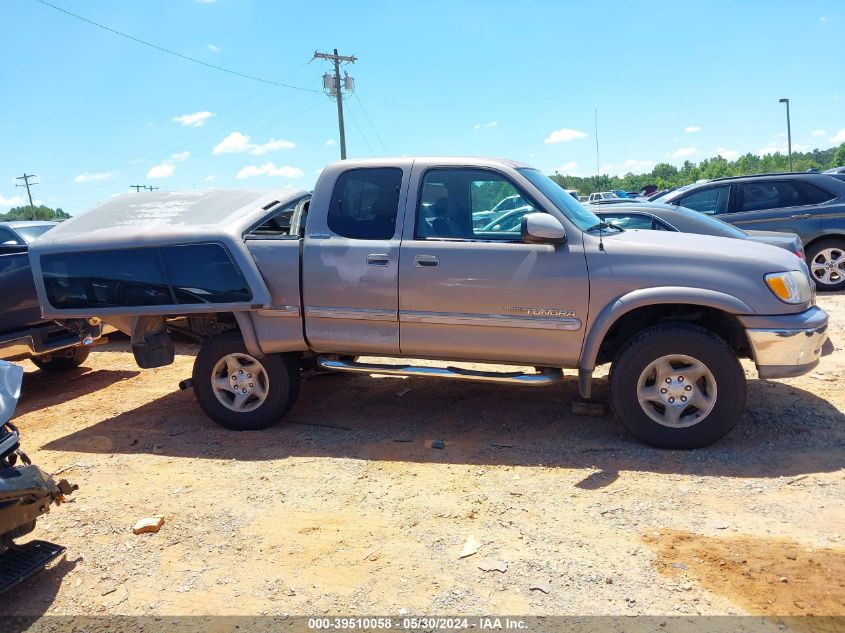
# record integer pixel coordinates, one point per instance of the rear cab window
(365, 203)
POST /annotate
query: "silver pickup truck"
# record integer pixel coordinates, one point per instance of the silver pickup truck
(383, 259)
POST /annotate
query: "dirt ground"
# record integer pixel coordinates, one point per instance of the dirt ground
(345, 508)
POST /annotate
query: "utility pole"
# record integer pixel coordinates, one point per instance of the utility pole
(28, 184)
(788, 131)
(138, 188)
(332, 85)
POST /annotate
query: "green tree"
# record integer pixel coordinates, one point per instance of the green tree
(41, 213)
(839, 157)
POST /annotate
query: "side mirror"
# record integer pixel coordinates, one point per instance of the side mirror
(542, 228)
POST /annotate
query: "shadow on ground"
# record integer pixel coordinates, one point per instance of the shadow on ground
(785, 431)
(41, 389)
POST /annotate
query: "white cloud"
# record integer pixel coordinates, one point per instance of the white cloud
(271, 146)
(692, 128)
(629, 166)
(210, 177)
(165, 170)
(564, 135)
(238, 143)
(235, 143)
(197, 119)
(566, 167)
(839, 137)
(269, 169)
(636, 166)
(727, 154)
(819, 132)
(783, 148)
(180, 157)
(330, 143)
(213, 48)
(684, 152)
(93, 176)
(10, 202)
(823, 18)
(478, 126)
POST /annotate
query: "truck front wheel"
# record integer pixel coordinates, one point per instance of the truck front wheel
(241, 392)
(677, 386)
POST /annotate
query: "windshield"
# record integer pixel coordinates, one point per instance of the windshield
(671, 193)
(566, 204)
(29, 233)
(722, 229)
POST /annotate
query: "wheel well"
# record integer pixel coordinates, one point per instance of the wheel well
(631, 323)
(830, 236)
(201, 327)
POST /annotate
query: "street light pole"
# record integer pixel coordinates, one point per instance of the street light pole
(788, 132)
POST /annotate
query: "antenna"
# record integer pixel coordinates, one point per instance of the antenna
(597, 144)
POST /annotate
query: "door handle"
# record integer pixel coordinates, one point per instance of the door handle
(426, 261)
(801, 216)
(377, 259)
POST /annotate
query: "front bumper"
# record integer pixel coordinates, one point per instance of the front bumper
(788, 345)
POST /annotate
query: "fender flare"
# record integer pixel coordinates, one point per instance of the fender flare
(248, 334)
(640, 298)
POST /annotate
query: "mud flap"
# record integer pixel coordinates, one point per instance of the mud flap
(20, 562)
(151, 344)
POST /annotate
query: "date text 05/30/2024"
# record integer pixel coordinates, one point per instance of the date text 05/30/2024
(416, 623)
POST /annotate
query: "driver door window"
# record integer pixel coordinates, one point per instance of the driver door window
(471, 204)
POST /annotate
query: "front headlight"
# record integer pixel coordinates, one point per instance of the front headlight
(791, 286)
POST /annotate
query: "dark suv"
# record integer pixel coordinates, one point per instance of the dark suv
(811, 205)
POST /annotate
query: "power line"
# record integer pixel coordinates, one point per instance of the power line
(174, 53)
(378, 136)
(138, 188)
(361, 132)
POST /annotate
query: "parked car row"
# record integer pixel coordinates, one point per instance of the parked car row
(24, 333)
(811, 205)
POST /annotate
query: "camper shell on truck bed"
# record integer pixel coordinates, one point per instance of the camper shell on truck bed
(384, 259)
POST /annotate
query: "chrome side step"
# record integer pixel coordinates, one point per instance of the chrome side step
(548, 376)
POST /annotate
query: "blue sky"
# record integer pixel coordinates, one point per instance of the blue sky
(91, 113)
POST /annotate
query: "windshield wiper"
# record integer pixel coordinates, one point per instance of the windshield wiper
(603, 226)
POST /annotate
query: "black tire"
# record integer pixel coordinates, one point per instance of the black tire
(813, 252)
(282, 378)
(677, 339)
(57, 364)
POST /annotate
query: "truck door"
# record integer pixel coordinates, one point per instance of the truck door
(471, 289)
(350, 261)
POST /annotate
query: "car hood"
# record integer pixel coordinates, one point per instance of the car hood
(789, 241)
(639, 259)
(702, 248)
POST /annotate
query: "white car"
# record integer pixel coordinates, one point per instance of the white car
(604, 195)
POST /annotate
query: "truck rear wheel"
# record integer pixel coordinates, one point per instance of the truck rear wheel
(677, 386)
(241, 392)
(57, 363)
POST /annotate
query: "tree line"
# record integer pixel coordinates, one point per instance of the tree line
(39, 213)
(666, 175)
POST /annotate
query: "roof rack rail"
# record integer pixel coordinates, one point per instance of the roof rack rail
(769, 173)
